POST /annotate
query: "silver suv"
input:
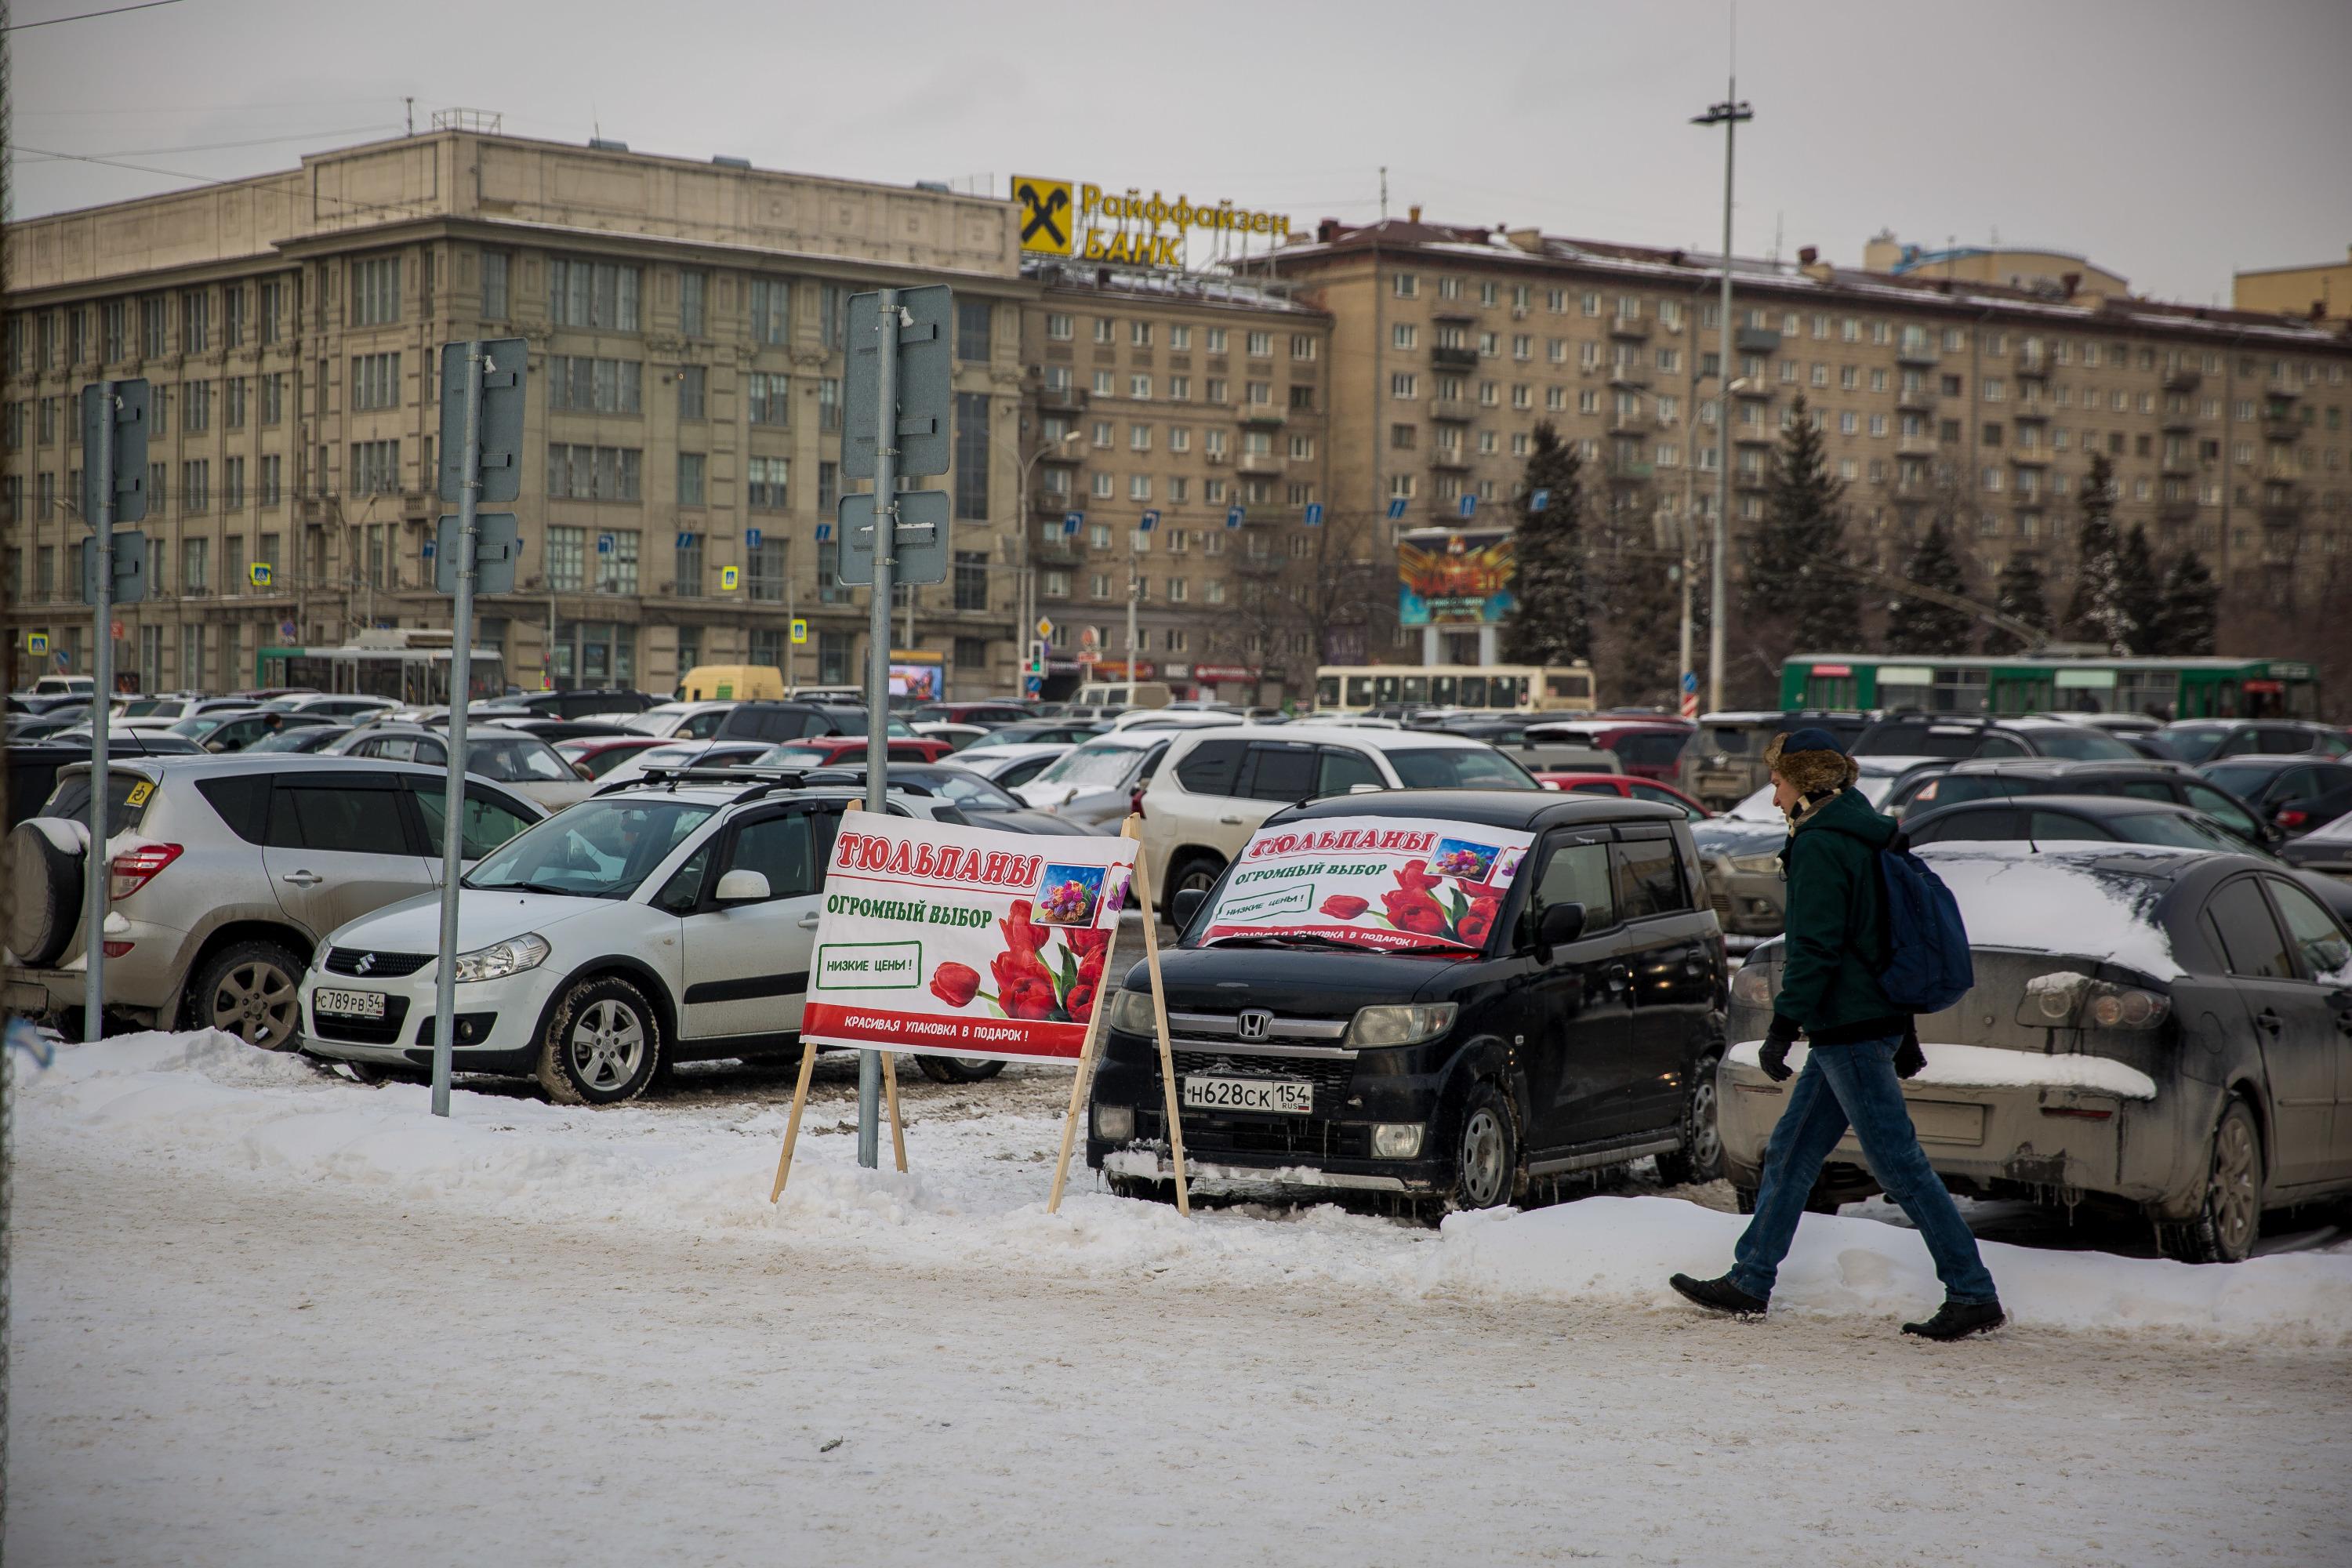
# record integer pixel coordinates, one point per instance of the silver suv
(225, 873)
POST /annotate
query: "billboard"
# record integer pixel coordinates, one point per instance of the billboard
(1458, 577)
(1377, 882)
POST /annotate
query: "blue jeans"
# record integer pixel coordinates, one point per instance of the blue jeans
(1853, 1084)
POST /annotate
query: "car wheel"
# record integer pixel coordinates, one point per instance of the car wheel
(1700, 1158)
(959, 1069)
(2229, 1218)
(251, 990)
(603, 1046)
(1200, 871)
(44, 885)
(1486, 1153)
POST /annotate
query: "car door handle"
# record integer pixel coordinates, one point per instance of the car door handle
(1229, 821)
(809, 921)
(2267, 1022)
(302, 878)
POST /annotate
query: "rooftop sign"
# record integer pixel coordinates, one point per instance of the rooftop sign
(1063, 218)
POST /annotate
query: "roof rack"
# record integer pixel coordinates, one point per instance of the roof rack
(761, 781)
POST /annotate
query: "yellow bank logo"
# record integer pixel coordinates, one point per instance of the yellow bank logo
(1048, 218)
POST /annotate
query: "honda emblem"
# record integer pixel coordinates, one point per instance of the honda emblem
(1255, 1024)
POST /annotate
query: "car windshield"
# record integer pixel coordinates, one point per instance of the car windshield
(795, 754)
(2244, 780)
(2082, 744)
(975, 794)
(514, 759)
(196, 728)
(2180, 832)
(2192, 745)
(1099, 765)
(149, 707)
(1460, 767)
(598, 849)
(298, 738)
(1919, 739)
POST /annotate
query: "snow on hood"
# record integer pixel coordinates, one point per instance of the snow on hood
(2086, 902)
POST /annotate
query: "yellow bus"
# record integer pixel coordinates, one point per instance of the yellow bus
(1361, 688)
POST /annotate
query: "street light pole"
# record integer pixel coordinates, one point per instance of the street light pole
(1026, 598)
(1730, 114)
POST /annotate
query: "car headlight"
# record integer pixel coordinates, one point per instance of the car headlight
(1757, 865)
(1114, 1123)
(501, 959)
(1396, 1140)
(1130, 1013)
(1401, 1025)
(1752, 985)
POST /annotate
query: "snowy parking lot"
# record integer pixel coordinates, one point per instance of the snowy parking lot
(263, 1314)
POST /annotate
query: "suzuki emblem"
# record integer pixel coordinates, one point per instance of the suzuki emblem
(1255, 1024)
(366, 962)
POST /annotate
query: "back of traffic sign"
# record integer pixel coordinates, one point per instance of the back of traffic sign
(919, 544)
(129, 408)
(925, 368)
(497, 545)
(501, 428)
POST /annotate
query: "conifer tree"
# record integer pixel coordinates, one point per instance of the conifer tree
(2192, 600)
(2097, 610)
(2019, 595)
(1922, 625)
(1799, 575)
(1550, 620)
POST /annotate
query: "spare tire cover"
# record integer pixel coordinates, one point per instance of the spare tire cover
(45, 857)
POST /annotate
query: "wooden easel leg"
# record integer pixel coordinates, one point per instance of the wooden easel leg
(1166, 1056)
(1085, 1078)
(792, 1127)
(891, 1093)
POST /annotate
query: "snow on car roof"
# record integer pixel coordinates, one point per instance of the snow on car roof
(2092, 902)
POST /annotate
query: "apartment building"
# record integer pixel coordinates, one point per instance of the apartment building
(685, 321)
(2322, 292)
(1198, 402)
(1972, 400)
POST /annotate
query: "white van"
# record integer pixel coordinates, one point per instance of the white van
(1123, 694)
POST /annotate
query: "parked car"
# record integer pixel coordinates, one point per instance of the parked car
(27, 727)
(987, 804)
(1741, 849)
(682, 721)
(1932, 789)
(1646, 748)
(582, 702)
(2296, 792)
(646, 927)
(1722, 761)
(2210, 740)
(600, 754)
(1011, 766)
(234, 729)
(1624, 786)
(80, 687)
(1212, 790)
(303, 740)
(826, 751)
(776, 722)
(2323, 852)
(959, 737)
(1098, 784)
(226, 872)
(1953, 736)
(554, 730)
(677, 754)
(2155, 1029)
(1584, 1033)
(164, 712)
(525, 762)
(1047, 732)
(987, 714)
(127, 742)
(346, 707)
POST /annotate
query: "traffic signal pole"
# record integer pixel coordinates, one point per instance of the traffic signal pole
(93, 1021)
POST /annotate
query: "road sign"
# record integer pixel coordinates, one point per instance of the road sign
(686, 542)
(1234, 517)
(823, 532)
(130, 568)
(287, 630)
(1469, 505)
(604, 544)
(730, 579)
(1091, 636)
(501, 419)
(129, 409)
(497, 545)
(800, 631)
(751, 537)
(37, 643)
(1315, 515)
(1089, 656)
(1044, 629)
(1071, 521)
(924, 394)
(114, 630)
(260, 574)
(1033, 684)
(919, 543)
(1150, 521)
(1539, 501)
(1396, 507)
(430, 546)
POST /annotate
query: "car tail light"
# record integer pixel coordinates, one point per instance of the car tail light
(2287, 817)
(2067, 1000)
(117, 949)
(1135, 801)
(134, 869)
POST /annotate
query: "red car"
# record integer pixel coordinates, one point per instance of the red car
(602, 754)
(1624, 786)
(1646, 748)
(826, 751)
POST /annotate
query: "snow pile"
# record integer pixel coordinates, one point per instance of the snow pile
(1989, 1067)
(215, 1109)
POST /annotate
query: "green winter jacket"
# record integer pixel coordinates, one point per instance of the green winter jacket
(1836, 926)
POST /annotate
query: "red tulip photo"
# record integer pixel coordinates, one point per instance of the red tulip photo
(955, 983)
(1345, 906)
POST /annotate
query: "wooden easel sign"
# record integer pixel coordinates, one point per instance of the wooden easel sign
(941, 940)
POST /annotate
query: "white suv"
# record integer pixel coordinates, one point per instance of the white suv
(1216, 787)
(662, 923)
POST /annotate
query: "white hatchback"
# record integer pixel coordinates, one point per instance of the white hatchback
(1216, 787)
(635, 931)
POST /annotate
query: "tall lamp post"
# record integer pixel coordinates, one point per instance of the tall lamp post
(1026, 598)
(1730, 114)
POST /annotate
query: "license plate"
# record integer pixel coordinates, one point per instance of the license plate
(1721, 781)
(353, 1004)
(1268, 1094)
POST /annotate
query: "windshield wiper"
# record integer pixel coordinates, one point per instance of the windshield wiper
(537, 887)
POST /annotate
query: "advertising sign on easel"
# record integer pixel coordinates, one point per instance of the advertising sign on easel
(942, 940)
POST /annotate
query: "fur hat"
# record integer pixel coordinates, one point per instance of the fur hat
(1812, 762)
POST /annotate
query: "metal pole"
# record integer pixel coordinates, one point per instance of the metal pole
(1133, 534)
(1722, 532)
(1022, 617)
(93, 1007)
(877, 656)
(461, 677)
(792, 663)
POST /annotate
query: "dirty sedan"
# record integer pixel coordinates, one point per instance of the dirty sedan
(2165, 1029)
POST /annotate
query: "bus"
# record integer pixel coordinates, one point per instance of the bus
(1355, 688)
(409, 666)
(2208, 688)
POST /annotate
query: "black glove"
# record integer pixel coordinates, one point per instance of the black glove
(1908, 1057)
(1775, 1053)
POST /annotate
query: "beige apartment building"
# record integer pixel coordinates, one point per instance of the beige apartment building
(685, 321)
(1199, 402)
(1971, 400)
(2320, 293)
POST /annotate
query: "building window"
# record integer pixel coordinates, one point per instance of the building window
(154, 326)
(1403, 386)
(273, 489)
(273, 397)
(972, 444)
(196, 566)
(375, 468)
(592, 294)
(567, 559)
(1260, 345)
(691, 469)
(232, 484)
(770, 398)
(375, 382)
(833, 658)
(195, 486)
(375, 291)
(593, 473)
(1060, 327)
(617, 562)
(972, 580)
(1405, 285)
(765, 483)
(1056, 584)
(771, 312)
(694, 304)
(828, 403)
(578, 384)
(494, 285)
(693, 391)
(1140, 388)
(688, 578)
(828, 488)
(833, 314)
(975, 326)
(766, 568)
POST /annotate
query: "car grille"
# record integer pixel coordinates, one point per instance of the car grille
(383, 1031)
(386, 965)
(1327, 1076)
(1293, 1139)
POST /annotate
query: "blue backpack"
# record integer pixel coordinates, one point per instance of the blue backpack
(1927, 965)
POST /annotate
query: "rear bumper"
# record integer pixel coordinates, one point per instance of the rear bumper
(1751, 904)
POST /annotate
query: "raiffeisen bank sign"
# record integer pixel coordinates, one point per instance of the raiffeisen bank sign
(1063, 218)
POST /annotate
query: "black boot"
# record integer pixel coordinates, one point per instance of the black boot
(1959, 1319)
(1719, 1295)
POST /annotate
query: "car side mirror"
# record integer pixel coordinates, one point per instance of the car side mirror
(1184, 905)
(1559, 924)
(215, 746)
(741, 886)
(581, 769)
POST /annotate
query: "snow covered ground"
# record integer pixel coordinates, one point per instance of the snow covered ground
(267, 1315)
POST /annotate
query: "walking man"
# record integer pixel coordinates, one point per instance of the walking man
(1860, 1045)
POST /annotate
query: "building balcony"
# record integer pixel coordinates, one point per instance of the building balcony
(1262, 413)
(1451, 311)
(1258, 566)
(1630, 329)
(1449, 459)
(2177, 510)
(2178, 423)
(1628, 375)
(1754, 391)
(2281, 505)
(1050, 504)
(1451, 410)
(2029, 413)
(2178, 463)
(1445, 358)
(1922, 401)
(1755, 341)
(1751, 479)
(2033, 366)
(2030, 457)
(2282, 427)
(1062, 399)
(2181, 379)
(1261, 464)
(1917, 446)
(1631, 473)
(1754, 436)
(1917, 354)
(1637, 423)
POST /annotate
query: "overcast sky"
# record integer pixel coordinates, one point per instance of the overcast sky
(2172, 141)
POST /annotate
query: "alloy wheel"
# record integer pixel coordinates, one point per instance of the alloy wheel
(608, 1046)
(255, 1003)
(1705, 1137)
(1482, 1172)
(2237, 1205)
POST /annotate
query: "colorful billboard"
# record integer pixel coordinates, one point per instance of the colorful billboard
(1454, 576)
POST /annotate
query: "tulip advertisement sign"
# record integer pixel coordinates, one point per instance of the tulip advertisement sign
(1372, 881)
(950, 941)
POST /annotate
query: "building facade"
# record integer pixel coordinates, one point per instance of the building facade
(685, 322)
(2320, 293)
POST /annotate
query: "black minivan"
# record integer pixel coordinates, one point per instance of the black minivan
(1584, 1034)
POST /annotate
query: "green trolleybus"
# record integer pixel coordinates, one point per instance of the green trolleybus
(2054, 683)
